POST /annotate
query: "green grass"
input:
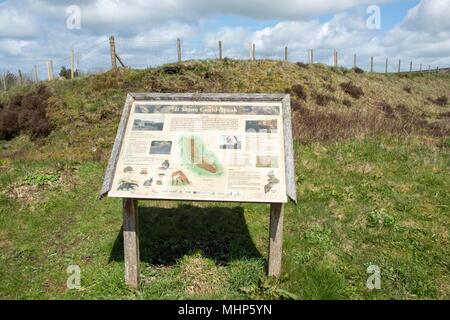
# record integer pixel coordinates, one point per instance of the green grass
(381, 200)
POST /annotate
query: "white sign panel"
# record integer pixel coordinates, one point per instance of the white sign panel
(202, 150)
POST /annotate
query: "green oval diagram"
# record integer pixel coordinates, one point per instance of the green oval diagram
(198, 158)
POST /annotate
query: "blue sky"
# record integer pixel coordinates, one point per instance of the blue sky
(34, 31)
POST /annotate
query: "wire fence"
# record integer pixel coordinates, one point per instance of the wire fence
(141, 53)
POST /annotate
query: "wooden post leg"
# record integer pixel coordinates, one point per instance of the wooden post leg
(131, 242)
(276, 239)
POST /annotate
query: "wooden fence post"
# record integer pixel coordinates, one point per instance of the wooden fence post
(78, 62)
(275, 239)
(72, 64)
(50, 70)
(335, 58)
(4, 82)
(437, 69)
(285, 53)
(410, 66)
(371, 64)
(36, 77)
(420, 68)
(112, 49)
(354, 61)
(179, 49)
(386, 66)
(399, 65)
(20, 77)
(131, 242)
(254, 52)
(220, 50)
(310, 56)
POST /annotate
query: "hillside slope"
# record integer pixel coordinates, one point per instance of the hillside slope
(372, 156)
(326, 101)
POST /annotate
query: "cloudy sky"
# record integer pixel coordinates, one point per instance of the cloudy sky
(34, 31)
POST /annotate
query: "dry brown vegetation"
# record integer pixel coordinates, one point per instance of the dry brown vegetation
(314, 124)
(25, 114)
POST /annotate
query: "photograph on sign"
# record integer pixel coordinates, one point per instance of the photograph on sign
(202, 150)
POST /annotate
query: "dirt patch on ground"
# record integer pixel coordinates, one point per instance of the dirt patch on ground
(22, 192)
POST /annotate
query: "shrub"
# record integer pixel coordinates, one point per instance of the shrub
(173, 69)
(302, 65)
(26, 114)
(299, 91)
(66, 73)
(358, 70)
(352, 90)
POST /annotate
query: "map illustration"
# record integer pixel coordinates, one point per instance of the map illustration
(198, 158)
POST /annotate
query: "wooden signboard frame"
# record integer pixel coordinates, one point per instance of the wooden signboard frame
(130, 205)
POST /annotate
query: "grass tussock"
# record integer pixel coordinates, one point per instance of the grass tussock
(323, 99)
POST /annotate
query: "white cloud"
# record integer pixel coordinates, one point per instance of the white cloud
(146, 31)
(13, 47)
(14, 24)
(429, 15)
(138, 14)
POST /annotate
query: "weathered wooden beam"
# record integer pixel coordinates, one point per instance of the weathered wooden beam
(120, 61)
(112, 49)
(275, 239)
(131, 242)
(50, 70)
(72, 64)
(179, 49)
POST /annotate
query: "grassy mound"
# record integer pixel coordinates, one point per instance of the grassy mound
(84, 113)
